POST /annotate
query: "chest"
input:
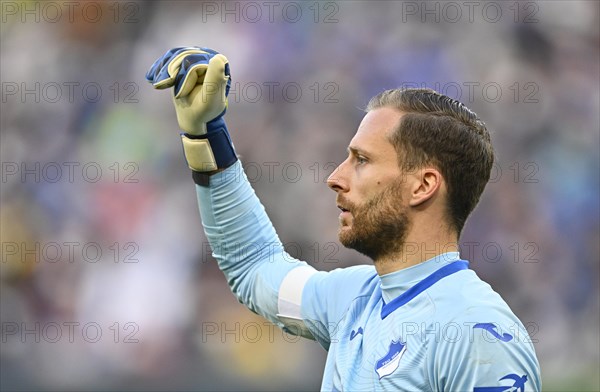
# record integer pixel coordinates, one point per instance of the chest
(375, 353)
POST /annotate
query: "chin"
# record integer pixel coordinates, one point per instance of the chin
(345, 236)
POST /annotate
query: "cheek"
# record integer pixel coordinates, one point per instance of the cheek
(373, 179)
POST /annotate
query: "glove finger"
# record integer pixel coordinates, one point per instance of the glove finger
(158, 72)
(152, 74)
(165, 77)
(228, 74)
(217, 79)
(192, 72)
(208, 50)
(177, 60)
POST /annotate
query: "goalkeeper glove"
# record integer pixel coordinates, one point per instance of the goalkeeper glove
(200, 79)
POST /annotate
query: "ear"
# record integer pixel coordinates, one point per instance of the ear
(427, 182)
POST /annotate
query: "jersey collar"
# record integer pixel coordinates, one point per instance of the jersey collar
(399, 287)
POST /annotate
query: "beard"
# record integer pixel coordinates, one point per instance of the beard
(379, 226)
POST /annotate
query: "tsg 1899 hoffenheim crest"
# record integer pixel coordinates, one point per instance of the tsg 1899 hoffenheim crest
(390, 361)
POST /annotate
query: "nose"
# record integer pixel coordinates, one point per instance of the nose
(336, 181)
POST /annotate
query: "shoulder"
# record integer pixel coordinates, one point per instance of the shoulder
(359, 278)
(478, 334)
(478, 315)
(464, 296)
(328, 296)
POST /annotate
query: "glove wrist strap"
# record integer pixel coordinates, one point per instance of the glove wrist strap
(209, 152)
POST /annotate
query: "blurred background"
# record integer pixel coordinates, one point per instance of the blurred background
(107, 282)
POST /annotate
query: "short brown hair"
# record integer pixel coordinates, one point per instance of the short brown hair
(441, 131)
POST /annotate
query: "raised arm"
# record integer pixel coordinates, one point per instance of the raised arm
(241, 236)
(245, 244)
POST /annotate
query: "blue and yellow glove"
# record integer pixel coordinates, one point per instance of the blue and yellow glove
(200, 79)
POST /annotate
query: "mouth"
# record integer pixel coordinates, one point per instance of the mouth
(345, 216)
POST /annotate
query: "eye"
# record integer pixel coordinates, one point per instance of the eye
(361, 160)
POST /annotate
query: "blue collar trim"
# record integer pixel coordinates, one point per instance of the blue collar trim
(423, 285)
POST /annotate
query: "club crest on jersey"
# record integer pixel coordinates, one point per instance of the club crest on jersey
(390, 361)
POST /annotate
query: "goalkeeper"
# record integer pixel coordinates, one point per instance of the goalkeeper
(415, 170)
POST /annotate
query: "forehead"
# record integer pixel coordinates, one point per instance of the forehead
(373, 131)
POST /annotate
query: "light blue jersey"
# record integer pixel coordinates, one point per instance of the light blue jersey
(432, 327)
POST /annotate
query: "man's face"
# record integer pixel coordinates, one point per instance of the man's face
(369, 189)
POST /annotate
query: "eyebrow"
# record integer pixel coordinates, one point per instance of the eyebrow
(356, 151)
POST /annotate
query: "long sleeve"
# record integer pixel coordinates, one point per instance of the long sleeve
(244, 241)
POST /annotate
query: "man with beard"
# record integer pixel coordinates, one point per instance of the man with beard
(414, 321)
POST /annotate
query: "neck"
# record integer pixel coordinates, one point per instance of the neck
(417, 248)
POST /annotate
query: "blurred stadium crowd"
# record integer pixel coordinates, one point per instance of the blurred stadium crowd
(106, 278)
